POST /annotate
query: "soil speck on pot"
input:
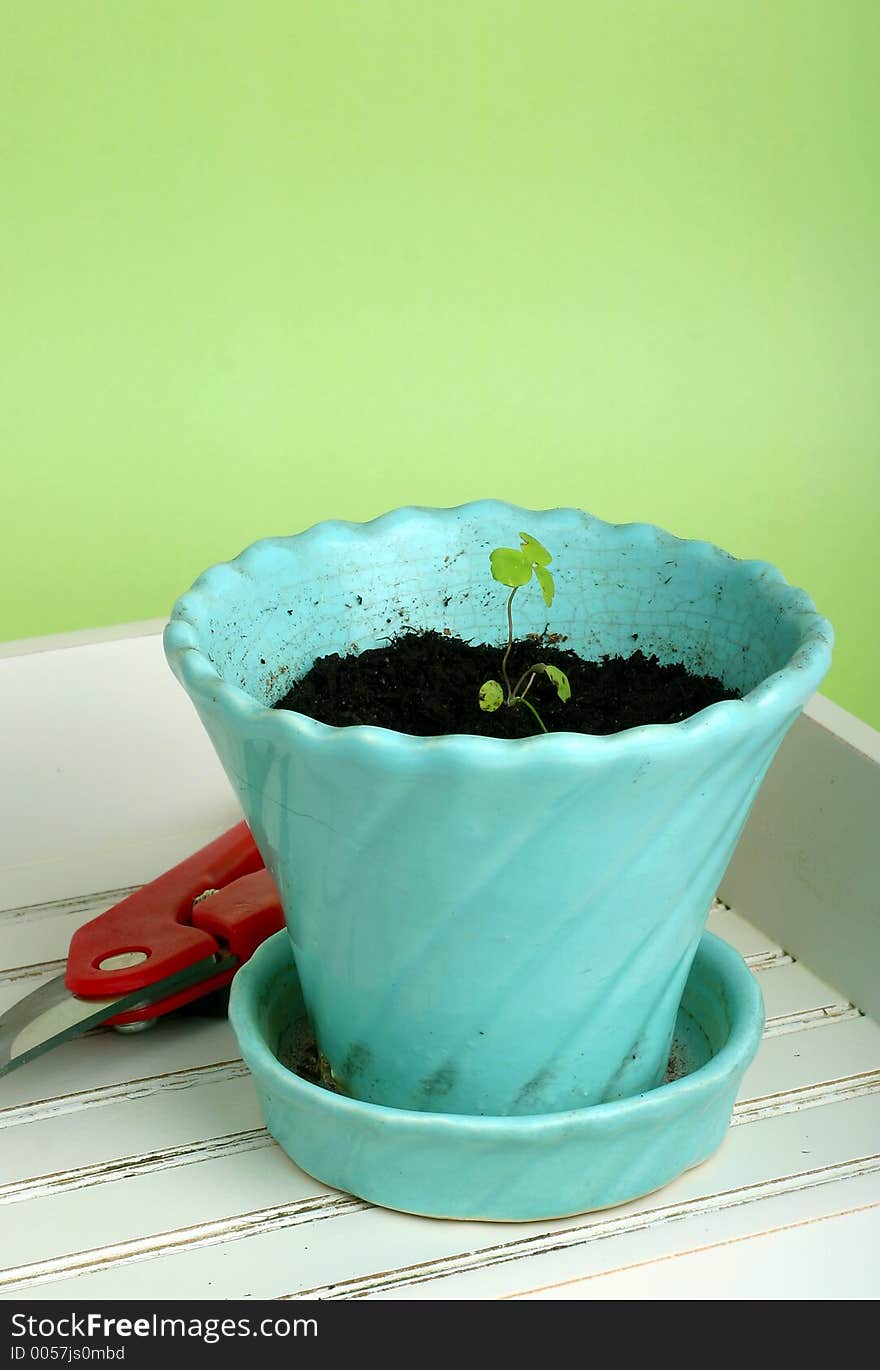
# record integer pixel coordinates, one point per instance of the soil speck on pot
(677, 1066)
(440, 1082)
(427, 683)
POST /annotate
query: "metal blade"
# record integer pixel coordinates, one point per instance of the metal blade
(52, 1014)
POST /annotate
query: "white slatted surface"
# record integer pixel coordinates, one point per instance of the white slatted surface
(139, 1165)
(141, 1162)
(817, 1257)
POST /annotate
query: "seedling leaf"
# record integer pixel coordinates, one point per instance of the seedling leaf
(491, 696)
(560, 680)
(510, 566)
(534, 551)
(514, 567)
(545, 580)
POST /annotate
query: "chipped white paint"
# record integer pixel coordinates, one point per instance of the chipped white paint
(762, 960)
(16, 1278)
(810, 1017)
(37, 973)
(130, 1167)
(126, 1091)
(807, 1096)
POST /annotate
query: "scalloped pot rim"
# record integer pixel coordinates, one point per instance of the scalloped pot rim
(782, 692)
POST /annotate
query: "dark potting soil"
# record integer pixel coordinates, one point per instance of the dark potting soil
(428, 683)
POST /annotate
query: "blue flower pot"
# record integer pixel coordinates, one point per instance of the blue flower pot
(484, 926)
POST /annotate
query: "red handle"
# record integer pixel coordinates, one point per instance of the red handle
(159, 920)
(239, 917)
(243, 915)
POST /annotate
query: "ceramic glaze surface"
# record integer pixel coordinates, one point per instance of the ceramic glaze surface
(506, 1169)
(484, 926)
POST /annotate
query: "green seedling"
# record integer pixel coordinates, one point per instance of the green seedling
(514, 567)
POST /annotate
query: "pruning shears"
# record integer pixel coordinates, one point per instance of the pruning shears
(175, 940)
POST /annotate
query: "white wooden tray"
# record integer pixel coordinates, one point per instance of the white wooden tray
(138, 1167)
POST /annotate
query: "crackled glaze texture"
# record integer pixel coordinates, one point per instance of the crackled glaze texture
(507, 1169)
(487, 926)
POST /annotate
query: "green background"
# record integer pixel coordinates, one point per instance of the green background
(267, 262)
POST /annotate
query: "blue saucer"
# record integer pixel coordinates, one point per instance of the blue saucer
(516, 1169)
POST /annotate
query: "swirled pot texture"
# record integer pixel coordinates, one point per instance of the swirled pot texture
(481, 925)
